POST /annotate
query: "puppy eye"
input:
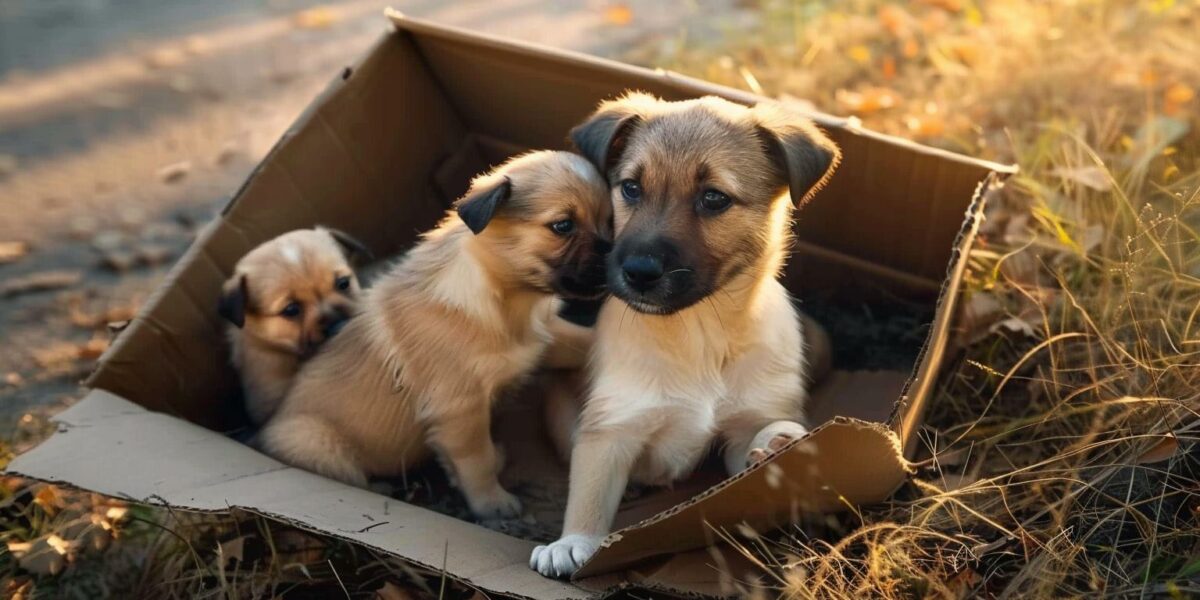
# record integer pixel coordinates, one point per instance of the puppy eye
(563, 227)
(631, 190)
(714, 202)
(342, 283)
(291, 311)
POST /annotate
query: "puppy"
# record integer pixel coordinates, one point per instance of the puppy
(285, 298)
(699, 341)
(465, 314)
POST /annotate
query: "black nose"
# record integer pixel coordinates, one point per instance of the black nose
(641, 271)
(333, 321)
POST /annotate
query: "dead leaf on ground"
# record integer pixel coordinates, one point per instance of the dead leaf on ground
(111, 314)
(1164, 449)
(618, 14)
(317, 17)
(391, 591)
(175, 172)
(12, 251)
(869, 100)
(43, 281)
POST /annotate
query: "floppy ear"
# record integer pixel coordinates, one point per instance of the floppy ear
(601, 138)
(477, 208)
(354, 249)
(232, 305)
(802, 153)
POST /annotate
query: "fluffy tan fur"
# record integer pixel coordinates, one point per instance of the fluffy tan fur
(302, 267)
(726, 364)
(461, 317)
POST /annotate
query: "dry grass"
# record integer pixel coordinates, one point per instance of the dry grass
(1062, 443)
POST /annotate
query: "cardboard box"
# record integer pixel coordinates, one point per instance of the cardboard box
(381, 154)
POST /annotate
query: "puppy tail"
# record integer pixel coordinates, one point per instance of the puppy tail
(312, 444)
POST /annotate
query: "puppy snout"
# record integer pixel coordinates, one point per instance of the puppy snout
(333, 320)
(602, 246)
(642, 271)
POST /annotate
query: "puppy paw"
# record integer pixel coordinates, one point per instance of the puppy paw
(772, 439)
(564, 557)
(499, 504)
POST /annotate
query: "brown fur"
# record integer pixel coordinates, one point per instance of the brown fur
(463, 316)
(301, 267)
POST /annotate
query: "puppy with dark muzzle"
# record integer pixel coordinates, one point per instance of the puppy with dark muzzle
(700, 342)
(468, 312)
(285, 298)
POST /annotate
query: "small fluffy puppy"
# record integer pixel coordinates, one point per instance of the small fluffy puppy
(699, 341)
(285, 298)
(466, 313)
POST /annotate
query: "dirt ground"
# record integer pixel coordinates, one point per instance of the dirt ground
(124, 126)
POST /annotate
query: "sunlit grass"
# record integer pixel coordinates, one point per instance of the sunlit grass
(1062, 442)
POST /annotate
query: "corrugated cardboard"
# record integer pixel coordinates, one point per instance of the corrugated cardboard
(381, 154)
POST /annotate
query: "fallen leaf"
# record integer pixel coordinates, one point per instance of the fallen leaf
(232, 550)
(93, 349)
(40, 557)
(618, 14)
(859, 54)
(317, 17)
(391, 591)
(926, 125)
(887, 67)
(1179, 93)
(894, 19)
(869, 100)
(39, 282)
(1093, 177)
(12, 251)
(14, 379)
(48, 498)
(175, 172)
(948, 5)
(1164, 449)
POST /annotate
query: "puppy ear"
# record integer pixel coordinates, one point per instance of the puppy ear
(802, 153)
(601, 138)
(354, 249)
(232, 305)
(477, 208)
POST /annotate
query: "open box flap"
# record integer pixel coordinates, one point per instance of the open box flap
(843, 463)
(109, 445)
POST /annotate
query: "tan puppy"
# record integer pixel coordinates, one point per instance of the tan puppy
(700, 342)
(466, 313)
(285, 298)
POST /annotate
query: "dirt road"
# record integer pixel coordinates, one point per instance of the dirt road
(125, 125)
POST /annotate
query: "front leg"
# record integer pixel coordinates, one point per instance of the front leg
(464, 441)
(600, 464)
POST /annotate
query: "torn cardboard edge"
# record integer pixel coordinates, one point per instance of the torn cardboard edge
(334, 163)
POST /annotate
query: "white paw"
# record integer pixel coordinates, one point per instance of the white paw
(564, 557)
(499, 504)
(772, 439)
